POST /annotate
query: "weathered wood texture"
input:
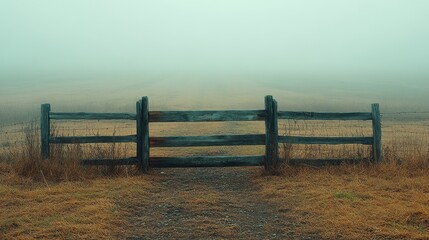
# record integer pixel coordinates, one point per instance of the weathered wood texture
(215, 140)
(323, 162)
(326, 140)
(144, 166)
(324, 116)
(93, 139)
(92, 116)
(45, 129)
(275, 137)
(206, 116)
(376, 127)
(271, 134)
(206, 161)
(110, 162)
(139, 128)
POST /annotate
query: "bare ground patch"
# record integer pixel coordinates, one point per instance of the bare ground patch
(207, 203)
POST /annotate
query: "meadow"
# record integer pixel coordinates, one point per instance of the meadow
(59, 198)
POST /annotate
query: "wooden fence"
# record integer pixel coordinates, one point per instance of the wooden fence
(270, 139)
(374, 140)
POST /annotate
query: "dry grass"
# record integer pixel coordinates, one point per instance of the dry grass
(365, 201)
(60, 199)
(67, 210)
(384, 201)
(64, 161)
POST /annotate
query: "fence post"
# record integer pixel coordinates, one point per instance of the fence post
(139, 124)
(271, 134)
(275, 137)
(145, 148)
(376, 128)
(45, 129)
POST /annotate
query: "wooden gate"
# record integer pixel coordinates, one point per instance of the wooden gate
(270, 139)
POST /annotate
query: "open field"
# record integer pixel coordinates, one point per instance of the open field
(387, 201)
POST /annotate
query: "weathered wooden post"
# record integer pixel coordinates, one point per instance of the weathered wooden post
(144, 141)
(45, 129)
(139, 124)
(271, 134)
(275, 137)
(376, 128)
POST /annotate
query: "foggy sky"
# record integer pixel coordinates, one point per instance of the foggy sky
(214, 54)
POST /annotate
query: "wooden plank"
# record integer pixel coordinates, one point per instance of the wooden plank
(45, 130)
(268, 127)
(93, 139)
(324, 116)
(326, 140)
(144, 166)
(109, 162)
(206, 161)
(139, 125)
(271, 134)
(206, 116)
(376, 127)
(92, 116)
(214, 140)
(323, 162)
(275, 137)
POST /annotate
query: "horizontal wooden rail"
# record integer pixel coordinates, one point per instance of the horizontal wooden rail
(110, 162)
(215, 140)
(206, 116)
(324, 116)
(91, 116)
(325, 140)
(323, 162)
(93, 139)
(206, 161)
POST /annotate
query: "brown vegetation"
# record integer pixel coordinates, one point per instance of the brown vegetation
(383, 201)
(64, 161)
(59, 198)
(363, 201)
(65, 210)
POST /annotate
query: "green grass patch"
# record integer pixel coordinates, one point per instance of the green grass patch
(346, 195)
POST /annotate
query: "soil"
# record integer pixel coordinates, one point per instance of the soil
(206, 203)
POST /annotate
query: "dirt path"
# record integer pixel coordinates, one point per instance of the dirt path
(205, 203)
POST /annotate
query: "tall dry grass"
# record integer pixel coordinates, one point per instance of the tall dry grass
(404, 150)
(405, 144)
(57, 198)
(64, 161)
(387, 200)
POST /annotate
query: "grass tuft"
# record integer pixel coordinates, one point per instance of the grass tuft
(64, 161)
(345, 195)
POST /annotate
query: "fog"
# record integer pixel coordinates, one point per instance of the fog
(313, 55)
